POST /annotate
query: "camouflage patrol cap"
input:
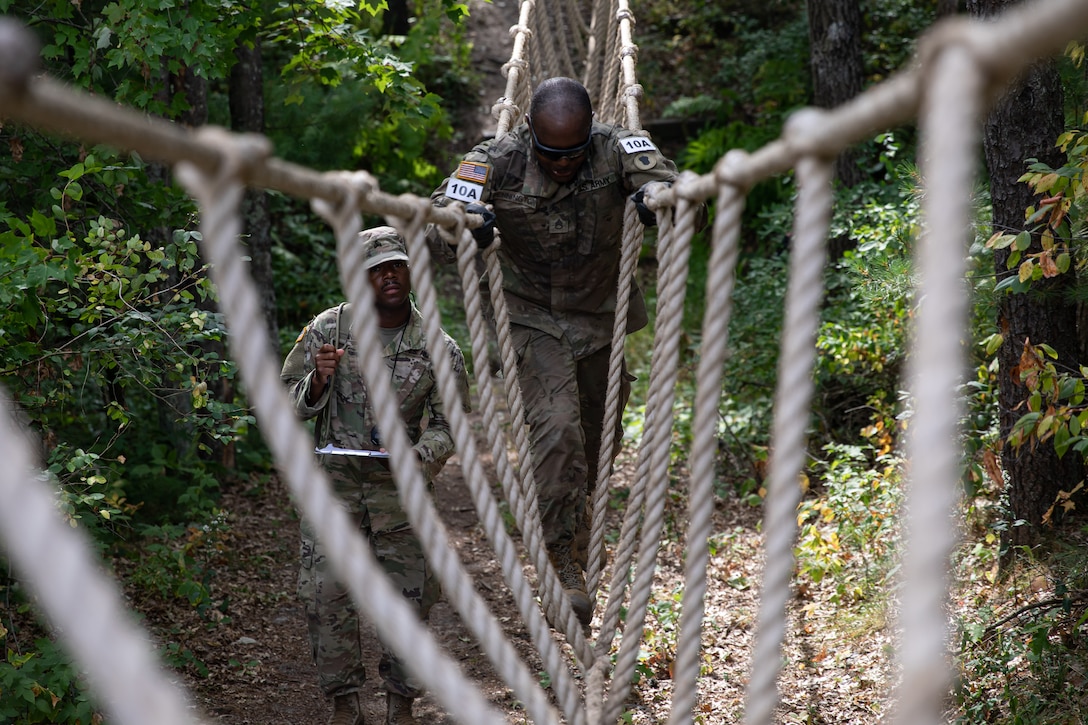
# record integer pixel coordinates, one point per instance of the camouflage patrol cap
(381, 245)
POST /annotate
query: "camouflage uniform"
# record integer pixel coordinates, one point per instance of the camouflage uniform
(560, 256)
(366, 488)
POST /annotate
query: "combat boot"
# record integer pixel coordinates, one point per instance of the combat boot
(398, 709)
(574, 585)
(346, 710)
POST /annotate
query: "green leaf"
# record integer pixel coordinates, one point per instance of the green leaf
(1026, 270)
(1062, 262)
(73, 173)
(1062, 440)
(1000, 241)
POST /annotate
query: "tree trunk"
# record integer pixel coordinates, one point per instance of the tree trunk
(948, 7)
(834, 31)
(195, 90)
(396, 20)
(247, 115)
(1024, 124)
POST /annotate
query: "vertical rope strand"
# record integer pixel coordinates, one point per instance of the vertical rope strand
(632, 246)
(487, 509)
(950, 137)
(415, 498)
(791, 418)
(666, 366)
(86, 608)
(720, 282)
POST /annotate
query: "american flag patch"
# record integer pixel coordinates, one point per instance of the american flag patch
(471, 171)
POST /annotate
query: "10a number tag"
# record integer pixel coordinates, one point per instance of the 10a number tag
(464, 191)
(637, 144)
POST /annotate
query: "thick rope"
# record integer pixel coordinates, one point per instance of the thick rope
(520, 491)
(633, 517)
(676, 236)
(556, 604)
(548, 43)
(630, 91)
(487, 508)
(949, 128)
(720, 282)
(791, 418)
(84, 606)
(595, 46)
(414, 495)
(611, 76)
(354, 563)
(632, 247)
(507, 110)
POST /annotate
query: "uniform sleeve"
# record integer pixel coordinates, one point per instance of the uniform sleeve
(436, 444)
(298, 371)
(642, 167)
(440, 248)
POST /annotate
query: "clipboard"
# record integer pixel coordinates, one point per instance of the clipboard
(331, 450)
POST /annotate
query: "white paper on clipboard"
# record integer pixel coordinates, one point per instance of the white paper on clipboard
(331, 450)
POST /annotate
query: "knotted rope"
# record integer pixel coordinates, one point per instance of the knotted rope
(414, 494)
(721, 279)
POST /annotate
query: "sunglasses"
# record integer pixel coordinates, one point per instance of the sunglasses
(574, 153)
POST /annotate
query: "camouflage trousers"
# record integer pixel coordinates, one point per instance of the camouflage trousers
(331, 618)
(564, 407)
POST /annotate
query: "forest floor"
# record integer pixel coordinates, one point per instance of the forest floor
(247, 661)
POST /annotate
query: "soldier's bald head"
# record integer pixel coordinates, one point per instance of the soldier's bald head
(561, 97)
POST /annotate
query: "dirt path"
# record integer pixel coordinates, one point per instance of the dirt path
(256, 655)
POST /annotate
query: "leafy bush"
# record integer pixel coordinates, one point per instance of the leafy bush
(102, 329)
(1019, 656)
(42, 686)
(848, 531)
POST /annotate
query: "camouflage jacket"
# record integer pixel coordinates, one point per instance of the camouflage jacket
(350, 421)
(561, 243)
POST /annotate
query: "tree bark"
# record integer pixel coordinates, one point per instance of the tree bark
(834, 31)
(396, 20)
(1025, 123)
(247, 115)
(948, 7)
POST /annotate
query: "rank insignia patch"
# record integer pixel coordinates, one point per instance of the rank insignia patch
(473, 172)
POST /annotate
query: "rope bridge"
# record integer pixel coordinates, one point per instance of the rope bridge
(960, 67)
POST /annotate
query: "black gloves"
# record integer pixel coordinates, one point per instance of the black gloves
(647, 217)
(485, 233)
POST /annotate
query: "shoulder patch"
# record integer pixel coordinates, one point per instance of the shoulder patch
(637, 144)
(645, 162)
(302, 334)
(473, 172)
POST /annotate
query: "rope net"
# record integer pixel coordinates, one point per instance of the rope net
(961, 65)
